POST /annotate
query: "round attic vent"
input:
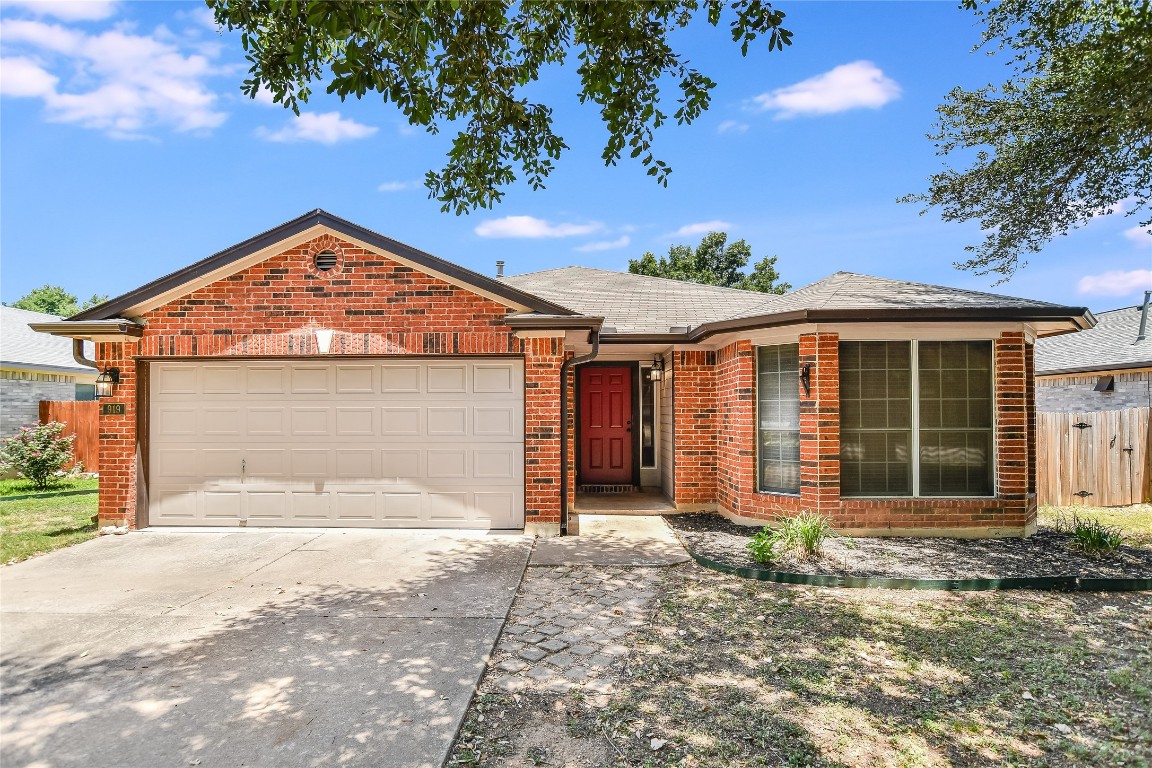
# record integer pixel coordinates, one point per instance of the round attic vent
(325, 260)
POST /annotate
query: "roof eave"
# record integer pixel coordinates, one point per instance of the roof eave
(537, 322)
(92, 330)
(1097, 368)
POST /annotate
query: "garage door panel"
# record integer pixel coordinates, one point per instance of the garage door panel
(432, 443)
(355, 379)
(448, 378)
(310, 379)
(360, 421)
(173, 379)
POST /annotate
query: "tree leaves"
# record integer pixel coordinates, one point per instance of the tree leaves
(713, 262)
(1066, 139)
(468, 61)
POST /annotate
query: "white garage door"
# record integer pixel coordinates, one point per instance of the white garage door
(399, 443)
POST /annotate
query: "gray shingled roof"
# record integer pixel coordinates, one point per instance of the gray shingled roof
(21, 346)
(640, 304)
(1111, 345)
(637, 303)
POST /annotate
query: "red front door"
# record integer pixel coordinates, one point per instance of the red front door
(605, 412)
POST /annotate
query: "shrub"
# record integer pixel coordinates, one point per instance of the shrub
(38, 453)
(1090, 535)
(805, 533)
(762, 546)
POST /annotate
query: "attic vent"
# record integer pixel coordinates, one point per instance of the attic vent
(325, 260)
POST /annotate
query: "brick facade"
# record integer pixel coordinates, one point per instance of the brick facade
(1012, 511)
(376, 306)
(21, 393)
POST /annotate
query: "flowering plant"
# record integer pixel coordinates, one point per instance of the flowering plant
(38, 453)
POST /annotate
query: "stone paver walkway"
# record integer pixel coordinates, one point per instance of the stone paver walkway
(568, 626)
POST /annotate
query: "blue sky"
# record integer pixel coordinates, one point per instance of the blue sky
(127, 151)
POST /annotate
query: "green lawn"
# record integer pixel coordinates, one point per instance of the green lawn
(47, 521)
(1134, 521)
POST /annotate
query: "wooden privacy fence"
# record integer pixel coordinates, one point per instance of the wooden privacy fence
(1096, 458)
(82, 418)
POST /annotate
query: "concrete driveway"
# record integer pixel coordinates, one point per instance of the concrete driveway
(270, 648)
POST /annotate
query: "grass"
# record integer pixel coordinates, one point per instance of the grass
(741, 673)
(48, 521)
(21, 487)
(1134, 522)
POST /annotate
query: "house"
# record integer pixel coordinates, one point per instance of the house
(321, 374)
(1094, 404)
(1105, 368)
(35, 367)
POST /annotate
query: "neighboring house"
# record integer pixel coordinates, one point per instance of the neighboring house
(321, 374)
(1094, 398)
(35, 367)
(1105, 368)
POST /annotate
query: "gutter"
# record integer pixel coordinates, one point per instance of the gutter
(78, 354)
(568, 365)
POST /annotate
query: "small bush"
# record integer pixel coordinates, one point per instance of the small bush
(805, 533)
(762, 546)
(1090, 535)
(38, 453)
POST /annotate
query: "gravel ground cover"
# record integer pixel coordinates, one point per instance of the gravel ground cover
(724, 672)
(1045, 554)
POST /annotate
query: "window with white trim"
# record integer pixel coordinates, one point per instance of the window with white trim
(916, 418)
(778, 418)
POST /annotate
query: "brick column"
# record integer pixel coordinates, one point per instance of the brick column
(820, 425)
(543, 358)
(695, 415)
(118, 439)
(1013, 429)
(736, 449)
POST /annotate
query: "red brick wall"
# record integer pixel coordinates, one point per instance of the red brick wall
(696, 427)
(1013, 508)
(375, 305)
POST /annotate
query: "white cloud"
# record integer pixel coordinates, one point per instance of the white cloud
(117, 82)
(849, 86)
(732, 126)
(703, 228)
(321, 127)
(1115, 282)
(23, 77)
(605, 245)
(398, 186)
(66, 10)
(1139, 235)
(531, 227)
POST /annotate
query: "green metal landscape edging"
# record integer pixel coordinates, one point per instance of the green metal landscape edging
(1056, 583)
(81, 492)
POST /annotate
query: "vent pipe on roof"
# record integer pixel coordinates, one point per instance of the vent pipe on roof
(1140, 335)
(499, 269)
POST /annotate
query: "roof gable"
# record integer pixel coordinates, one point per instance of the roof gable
(299, 230)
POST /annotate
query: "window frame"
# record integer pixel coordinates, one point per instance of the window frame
(756, 421)
(915, 440)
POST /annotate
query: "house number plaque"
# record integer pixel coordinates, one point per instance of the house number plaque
(111, 409)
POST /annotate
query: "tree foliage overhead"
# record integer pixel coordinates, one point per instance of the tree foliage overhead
(54, 300)
(474, 61)
(1068, 137)
(713, 262)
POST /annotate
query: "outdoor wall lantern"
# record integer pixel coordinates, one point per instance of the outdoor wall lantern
(323, 340)
(806, 378)
(657, 372)
(106, 381)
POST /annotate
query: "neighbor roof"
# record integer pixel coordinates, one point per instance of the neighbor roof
(638, 304)
(1111, 345)
(22, 347)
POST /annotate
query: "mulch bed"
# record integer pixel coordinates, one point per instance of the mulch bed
(1045, 554)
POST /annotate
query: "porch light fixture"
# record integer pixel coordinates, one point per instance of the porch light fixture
(806, 378)
(323, 340)
(657, 372)
(106, 381)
